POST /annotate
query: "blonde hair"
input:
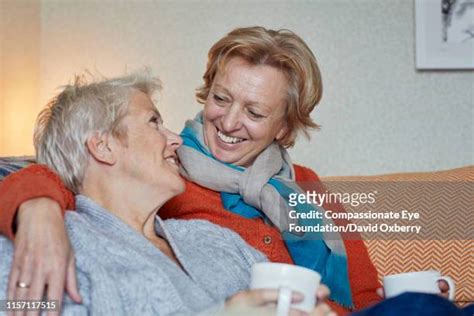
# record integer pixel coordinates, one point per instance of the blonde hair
(81, 109)
(283, 50)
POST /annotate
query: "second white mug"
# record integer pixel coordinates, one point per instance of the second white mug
(421, 281)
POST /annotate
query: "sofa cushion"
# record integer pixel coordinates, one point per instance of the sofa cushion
(448, 248)
(12, 164)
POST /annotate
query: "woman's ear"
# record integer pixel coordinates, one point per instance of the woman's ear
(101, 149)
(282, 132)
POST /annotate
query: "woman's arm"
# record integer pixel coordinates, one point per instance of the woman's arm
(43, 256)
(29, 183)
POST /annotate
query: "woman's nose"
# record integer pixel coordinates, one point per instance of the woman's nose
(231, 119)
(173, 140)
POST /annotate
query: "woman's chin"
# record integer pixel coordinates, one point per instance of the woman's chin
(180, 186)
(222, 156)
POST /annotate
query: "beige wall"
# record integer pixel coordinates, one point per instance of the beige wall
(378, 113)
(19, 74)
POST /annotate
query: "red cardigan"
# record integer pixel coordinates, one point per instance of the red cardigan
(200, 203)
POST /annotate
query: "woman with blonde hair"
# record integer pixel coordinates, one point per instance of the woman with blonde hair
(260, 87)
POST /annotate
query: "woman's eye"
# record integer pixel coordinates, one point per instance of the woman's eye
(218, 98)
(255, 115)
(155, 120)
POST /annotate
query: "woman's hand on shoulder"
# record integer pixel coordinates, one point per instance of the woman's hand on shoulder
(43, 263)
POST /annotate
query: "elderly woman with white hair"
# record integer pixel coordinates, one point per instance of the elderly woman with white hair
(107, 142)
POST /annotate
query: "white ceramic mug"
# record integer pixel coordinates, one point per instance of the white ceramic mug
(288, 279)
(421, 281)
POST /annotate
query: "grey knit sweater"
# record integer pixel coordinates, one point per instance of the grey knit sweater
(121, 273)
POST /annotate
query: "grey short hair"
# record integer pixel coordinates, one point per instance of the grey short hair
(81, 109)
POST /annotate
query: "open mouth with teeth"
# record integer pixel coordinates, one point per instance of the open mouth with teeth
(229, 139)
(173, 160)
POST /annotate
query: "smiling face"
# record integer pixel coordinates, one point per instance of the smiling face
(148, 154)
(244, 111)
